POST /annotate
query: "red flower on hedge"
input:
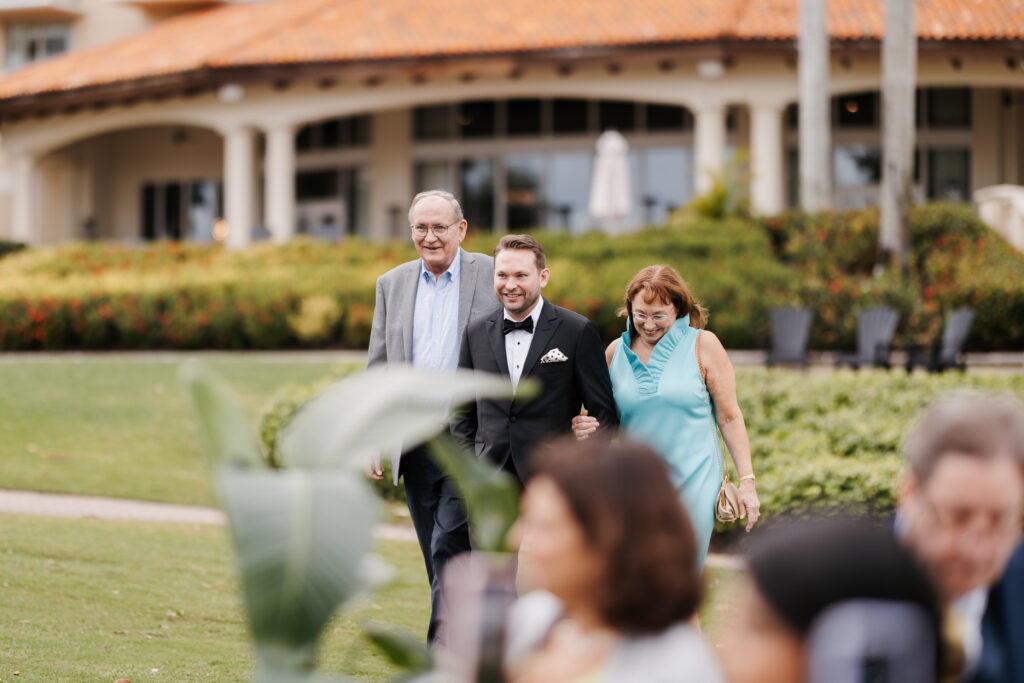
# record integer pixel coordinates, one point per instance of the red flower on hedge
(835, 287)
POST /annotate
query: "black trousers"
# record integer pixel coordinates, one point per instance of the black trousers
(442, 527)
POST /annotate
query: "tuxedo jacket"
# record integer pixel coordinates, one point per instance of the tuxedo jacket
(505, 431)
(391, 334)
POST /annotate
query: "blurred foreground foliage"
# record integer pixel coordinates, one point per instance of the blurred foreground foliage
(309, 295)
(819, 440)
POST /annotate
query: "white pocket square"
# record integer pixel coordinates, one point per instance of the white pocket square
(554, 356)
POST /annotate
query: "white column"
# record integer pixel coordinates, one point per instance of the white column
(239, 185)
(279, 176)
(899, 75)
(766, 159)
(815, 125)
(24, 202)
(391, 187)
(709, 145)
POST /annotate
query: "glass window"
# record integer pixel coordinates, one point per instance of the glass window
(664, 117)
(524, 117)
(203, 209)
(617, 115)
(570, 116)
(667, 174)
(792, 117)
(949, 174)
(320, 184)
(568, 190)
(949, 107)
(330, 134)
(433, 175)
(476, 119)
(31, 42)
(859, 110)
(523, 174)
(857, 165)
(858, 172)
(346, 132)
(432, 123)
(304, 139)
(477, 192)
(358, 133)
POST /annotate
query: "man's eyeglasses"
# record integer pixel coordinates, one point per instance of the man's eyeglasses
(962, 521)
(438, 230)
(641, 318)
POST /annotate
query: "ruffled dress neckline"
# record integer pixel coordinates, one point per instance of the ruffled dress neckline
(648, 376)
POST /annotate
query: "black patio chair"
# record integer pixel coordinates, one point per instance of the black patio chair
(947, 353)
(791, 327)
(875, 330)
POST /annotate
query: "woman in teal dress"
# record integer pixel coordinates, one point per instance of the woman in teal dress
(675, 388)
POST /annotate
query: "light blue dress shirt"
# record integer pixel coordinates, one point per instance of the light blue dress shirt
(435, 346)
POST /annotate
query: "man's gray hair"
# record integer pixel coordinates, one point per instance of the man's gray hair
(966, 423)
(443, 194)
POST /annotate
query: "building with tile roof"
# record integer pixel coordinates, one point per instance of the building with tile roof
(136, 120)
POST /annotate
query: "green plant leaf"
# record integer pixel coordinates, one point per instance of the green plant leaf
(380, 411)
(225, 432)
(408, 653)
(301, 539)
(492, 496)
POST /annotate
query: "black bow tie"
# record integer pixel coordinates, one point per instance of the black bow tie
(509, 325)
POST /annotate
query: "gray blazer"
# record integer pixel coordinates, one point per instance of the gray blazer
(391, 334)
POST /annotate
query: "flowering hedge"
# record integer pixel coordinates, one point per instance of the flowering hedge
(307, 294)
(956, 260)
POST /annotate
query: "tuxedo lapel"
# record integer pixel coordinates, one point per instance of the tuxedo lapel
(546, 326)
(496, 338)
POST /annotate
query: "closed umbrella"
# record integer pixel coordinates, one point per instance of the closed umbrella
(610, 192)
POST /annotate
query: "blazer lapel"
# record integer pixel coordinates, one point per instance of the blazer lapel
(546, 326)
(467, 287)
(496, 338)
(410, 310)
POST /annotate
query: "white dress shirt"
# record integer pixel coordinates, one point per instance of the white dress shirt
(517, 344)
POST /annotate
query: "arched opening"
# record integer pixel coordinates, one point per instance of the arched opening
(160, 182)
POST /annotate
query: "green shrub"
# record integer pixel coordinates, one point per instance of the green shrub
(819, 441)
(7, 247)
(287, 401)
(955, 260)
(306, 294)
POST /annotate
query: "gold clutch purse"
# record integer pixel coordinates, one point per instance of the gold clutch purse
(727, 505)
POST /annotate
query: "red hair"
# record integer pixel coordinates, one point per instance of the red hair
(662, 283)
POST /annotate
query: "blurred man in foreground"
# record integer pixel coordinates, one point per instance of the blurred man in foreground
(962, 502)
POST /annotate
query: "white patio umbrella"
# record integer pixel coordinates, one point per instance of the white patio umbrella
(611, 196)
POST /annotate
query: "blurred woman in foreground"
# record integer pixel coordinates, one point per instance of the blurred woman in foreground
(609, 547)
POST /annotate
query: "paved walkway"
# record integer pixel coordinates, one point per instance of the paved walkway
(92, 507)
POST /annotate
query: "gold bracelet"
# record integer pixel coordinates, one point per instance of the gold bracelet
(751, 477)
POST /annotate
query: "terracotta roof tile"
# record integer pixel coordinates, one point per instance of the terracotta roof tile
(300, 31)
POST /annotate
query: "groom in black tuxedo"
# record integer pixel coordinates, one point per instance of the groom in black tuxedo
(531, 337)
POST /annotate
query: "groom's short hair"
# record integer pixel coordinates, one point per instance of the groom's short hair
(523, 242)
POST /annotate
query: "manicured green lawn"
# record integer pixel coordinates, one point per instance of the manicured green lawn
(119, 425)
(89, 600)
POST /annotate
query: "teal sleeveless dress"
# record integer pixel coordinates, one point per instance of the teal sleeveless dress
(666, 405)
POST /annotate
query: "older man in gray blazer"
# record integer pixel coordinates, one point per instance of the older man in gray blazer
(423, 308)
